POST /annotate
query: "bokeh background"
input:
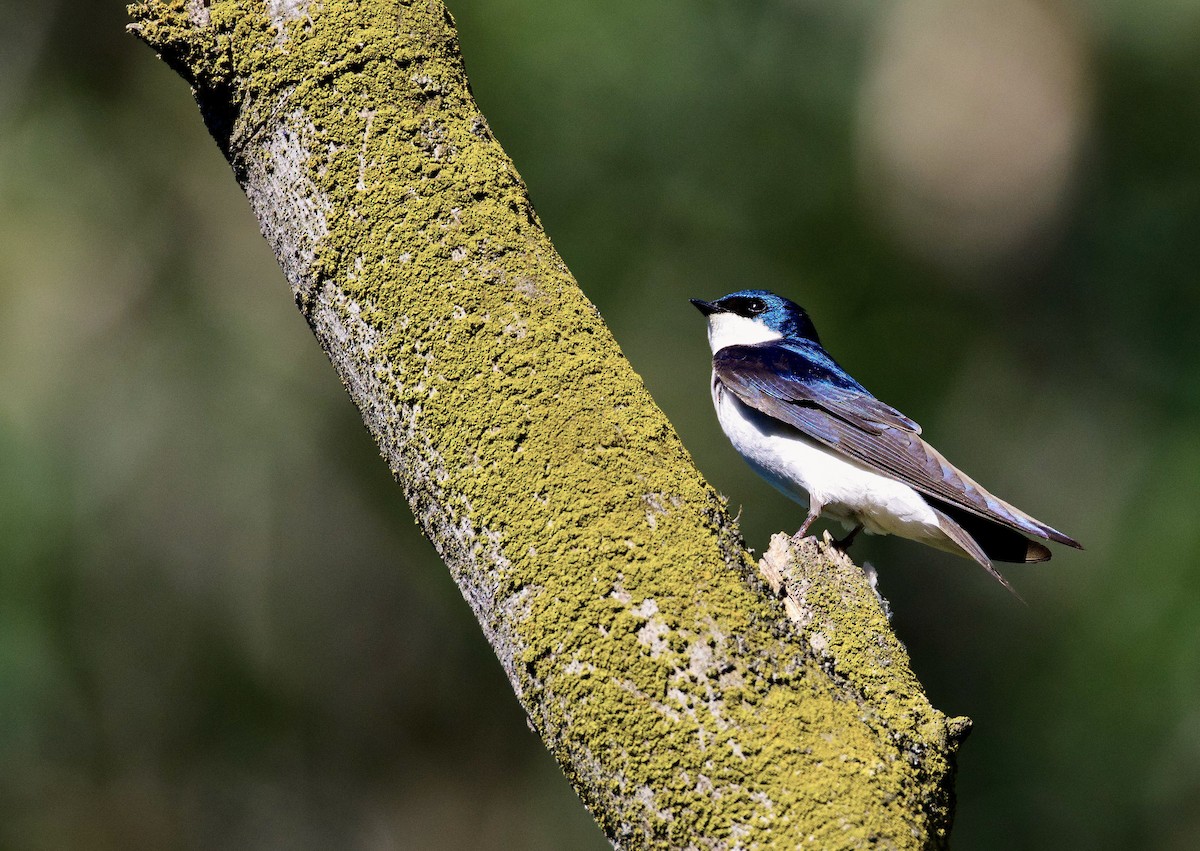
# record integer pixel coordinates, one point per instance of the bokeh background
(218, 624)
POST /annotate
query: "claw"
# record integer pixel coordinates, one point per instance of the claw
(843, 544)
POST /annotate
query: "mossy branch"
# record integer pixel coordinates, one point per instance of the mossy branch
(684, 704)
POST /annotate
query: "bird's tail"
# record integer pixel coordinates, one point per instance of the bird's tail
(1001, 537)
(1000, 543)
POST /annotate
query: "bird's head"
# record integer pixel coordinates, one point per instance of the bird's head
(754, 316)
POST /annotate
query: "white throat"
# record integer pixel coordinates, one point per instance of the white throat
(729, 329)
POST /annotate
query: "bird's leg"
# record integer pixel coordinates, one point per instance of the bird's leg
(843, 544)
(813, 513)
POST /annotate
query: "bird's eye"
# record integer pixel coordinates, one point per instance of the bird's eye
(755, 306)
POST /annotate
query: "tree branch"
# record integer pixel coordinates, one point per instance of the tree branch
(684, 705)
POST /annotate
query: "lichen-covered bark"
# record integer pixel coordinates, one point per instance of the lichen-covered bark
(686, 707)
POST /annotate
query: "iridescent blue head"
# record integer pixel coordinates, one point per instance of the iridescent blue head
(754, 316)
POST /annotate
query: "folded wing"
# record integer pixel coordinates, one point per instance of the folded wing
(803, 387)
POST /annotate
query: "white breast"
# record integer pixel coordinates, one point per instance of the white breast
(812, 474)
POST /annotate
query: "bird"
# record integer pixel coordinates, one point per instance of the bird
(818, 436)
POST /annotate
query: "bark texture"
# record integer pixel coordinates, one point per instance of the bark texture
(683, 703)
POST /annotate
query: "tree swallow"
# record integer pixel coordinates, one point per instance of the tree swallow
(818, 436)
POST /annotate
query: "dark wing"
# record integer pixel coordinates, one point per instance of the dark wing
(803, 387)
(804, 372)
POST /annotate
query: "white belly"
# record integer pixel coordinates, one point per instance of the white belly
(809, 473)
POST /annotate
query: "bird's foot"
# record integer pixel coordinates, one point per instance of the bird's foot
(803, 530)
(843, 544)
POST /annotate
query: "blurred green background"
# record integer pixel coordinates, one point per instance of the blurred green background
(218, 625)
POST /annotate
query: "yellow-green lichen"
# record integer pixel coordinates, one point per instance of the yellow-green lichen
(602, 566)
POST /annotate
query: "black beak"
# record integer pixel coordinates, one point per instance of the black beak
(707, 307)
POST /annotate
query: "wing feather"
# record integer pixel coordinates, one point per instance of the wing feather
(810, 392)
